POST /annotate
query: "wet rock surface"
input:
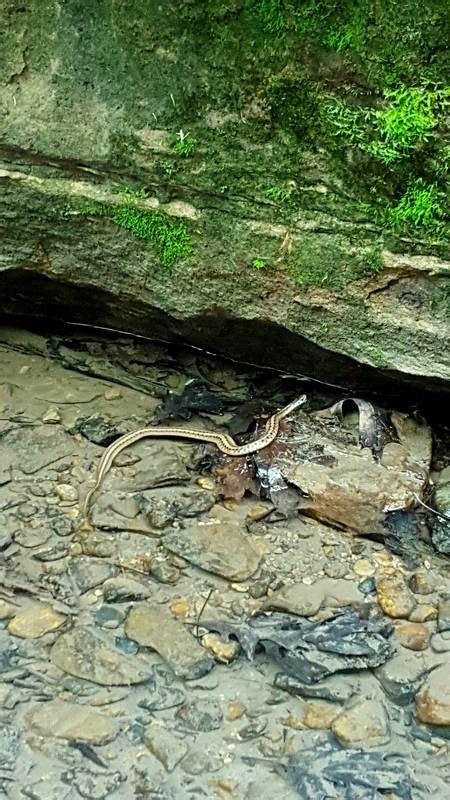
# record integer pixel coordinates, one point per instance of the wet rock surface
(186, 643)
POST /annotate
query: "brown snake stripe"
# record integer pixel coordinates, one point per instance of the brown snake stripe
(223, 441)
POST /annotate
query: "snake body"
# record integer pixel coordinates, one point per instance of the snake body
(223, 441)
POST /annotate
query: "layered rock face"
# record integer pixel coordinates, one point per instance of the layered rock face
(234, 175)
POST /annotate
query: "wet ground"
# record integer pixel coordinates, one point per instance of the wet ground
(220, 628)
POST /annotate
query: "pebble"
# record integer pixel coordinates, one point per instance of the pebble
(235, 711)
(364, 568)
(90, 572)
(66, 492)
(6, 610)
(319, 716)
(165, 573)
(366, 724)
(256, 513)
(109, 617)
(413, 635)
(423, 613)
(444, 615)
(423, 582)
(305, 601)
(224, 652)
(367, 586)
(88, 654)
(219, 547)
(70, 721)
(51, 417)
(440, 642)
(35, 621)
(112, 393)
(206, 483)
(155, 627)
(122, 590)
(165, 747)
(394, 596)
(433, 699)
(200, 716)
(401, 676)
(333, 569)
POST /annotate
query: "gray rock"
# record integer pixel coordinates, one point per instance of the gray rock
(89, 572)
(444, 615)
(401, 676)
(88, 654)
(200, 716)
(440, 642)
(122, 590)
(73, 722)
(155, 627)
(109, 617)
(218, 547)
(94, 785)
(9, 746)
(162, 506)
(336, 689)
(305, 600)
(164, 745)
(363, 725)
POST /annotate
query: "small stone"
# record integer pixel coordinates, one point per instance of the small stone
(88, 653)
(70, 721)
(218, 547)
(401, 676)
(319, 716)
(206, 483)
(444, 615)
(234, 711)
(413, 635)
(180, 608)
(165, 747)
(112, 393)
(334, 569)
(66, 492)
(364, 568)
(109, 617)
(35, 621)
(200, 716)
(366, 724)
(367, 586)
(394, 597)
(440, 642)
(258, 589)
(6, 610)
(383, 559)
(433, 699)
(423, 613)
(423, 582)
(256, 513)
(165, 573)
(224, 652)
(51, 417)
(155, 627)
(90, 572)
(305, 600)
(122, 590)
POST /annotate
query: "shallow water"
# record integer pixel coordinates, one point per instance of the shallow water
(108, 681)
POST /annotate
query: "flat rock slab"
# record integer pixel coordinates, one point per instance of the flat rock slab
(88, 654)
(304, 600)
(34, 621)
(70, 721)
(154, 626)
(346, 484)
(218, 547)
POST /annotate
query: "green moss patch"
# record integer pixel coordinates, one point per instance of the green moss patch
(170, 240)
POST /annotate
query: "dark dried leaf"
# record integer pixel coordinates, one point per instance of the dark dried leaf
(325, 771)
(312, 650)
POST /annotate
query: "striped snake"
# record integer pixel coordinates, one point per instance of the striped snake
(223, 441)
